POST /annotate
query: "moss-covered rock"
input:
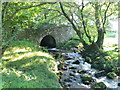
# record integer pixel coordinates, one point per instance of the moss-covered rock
(116, 70)
(87, 79)
(111, 75)
(98, 65)
(81, 71)
(100, 74)
(88, 59)
(99, 86)
(66, 85)
(108, 66)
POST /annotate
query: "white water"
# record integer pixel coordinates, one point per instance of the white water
(110, 83)
(76, 80)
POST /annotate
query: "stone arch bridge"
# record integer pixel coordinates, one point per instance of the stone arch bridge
(51, 36)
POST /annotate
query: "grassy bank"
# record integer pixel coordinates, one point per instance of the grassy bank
(25, 65)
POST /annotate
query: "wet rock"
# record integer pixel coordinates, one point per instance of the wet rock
(72, 67)
(71, 77)
(88, 59)
(86, 82)
(60, 73)
(119, 84)
(74, 79)
(76, 62)
(68, 80)
(81, 71)
(111, 75)
(60, 66)
(68, 58)
(98, 65)
(64, 68)
(117, 70)
(66, 84)
(74, 71)
(87, 79)
(72, 74)
(100, 86)
(100, 74)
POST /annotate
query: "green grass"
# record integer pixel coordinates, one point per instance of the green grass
(25, 65)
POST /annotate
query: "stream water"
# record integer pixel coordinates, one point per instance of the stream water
(75, 67)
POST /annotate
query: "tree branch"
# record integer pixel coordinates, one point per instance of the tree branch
(53, 10)
(9, 18)
(83, 22)
(74, 27)
(4, 10)
(105, 15)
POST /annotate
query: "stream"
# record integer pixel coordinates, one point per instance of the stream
(75, 67)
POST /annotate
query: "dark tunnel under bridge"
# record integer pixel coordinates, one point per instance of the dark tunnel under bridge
(48, 41)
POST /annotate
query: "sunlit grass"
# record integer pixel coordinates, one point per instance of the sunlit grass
(27, 66)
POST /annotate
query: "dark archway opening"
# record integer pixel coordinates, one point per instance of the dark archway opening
(48, 41)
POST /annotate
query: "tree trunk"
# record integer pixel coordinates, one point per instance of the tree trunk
(93, 46)
(100, 39)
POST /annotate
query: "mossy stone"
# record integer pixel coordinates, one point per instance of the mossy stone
(99, 86)
(111, 75)
(88, 59)
(87, 79)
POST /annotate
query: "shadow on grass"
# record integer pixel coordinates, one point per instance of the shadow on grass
(21, 62)
(30, 72)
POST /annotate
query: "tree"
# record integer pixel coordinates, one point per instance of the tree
(17, 17)
(89, 21)
(86, 20)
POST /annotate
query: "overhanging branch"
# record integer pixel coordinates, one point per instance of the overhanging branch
(74, 27)
(21, 8)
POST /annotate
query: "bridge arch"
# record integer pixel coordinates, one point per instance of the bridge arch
(48, 41)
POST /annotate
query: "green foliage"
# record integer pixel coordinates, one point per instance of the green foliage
(23, 16)
(26, 65)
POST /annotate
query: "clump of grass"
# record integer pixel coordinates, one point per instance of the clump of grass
(26, 65)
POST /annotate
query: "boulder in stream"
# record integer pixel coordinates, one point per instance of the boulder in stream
(99, 86)
(81, 71)
(111, 75)
(66, 85)
(87, 79)
(76, 62)
(100, 74)
(119, 84)
(72, 67)
(88, 59)
(67, 80)
(72, 74)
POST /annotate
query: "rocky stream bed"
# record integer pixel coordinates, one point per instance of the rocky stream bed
(77, 73)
